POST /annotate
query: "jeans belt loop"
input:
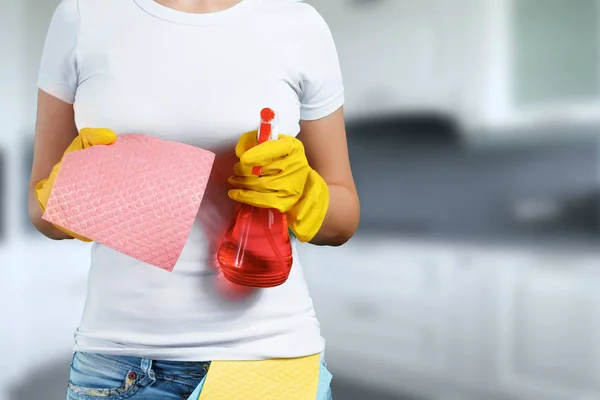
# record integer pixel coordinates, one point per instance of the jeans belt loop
(149, 376)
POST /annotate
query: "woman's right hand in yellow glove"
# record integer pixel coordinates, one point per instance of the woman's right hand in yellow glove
(87, 137)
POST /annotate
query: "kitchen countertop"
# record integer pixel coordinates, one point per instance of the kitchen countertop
(550, 244)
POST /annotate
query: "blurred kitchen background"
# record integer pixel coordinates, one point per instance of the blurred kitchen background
(474, 133)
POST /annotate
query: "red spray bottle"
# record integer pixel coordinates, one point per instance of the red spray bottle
(256, 250)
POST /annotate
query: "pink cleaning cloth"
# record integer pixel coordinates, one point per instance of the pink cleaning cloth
(139, 196)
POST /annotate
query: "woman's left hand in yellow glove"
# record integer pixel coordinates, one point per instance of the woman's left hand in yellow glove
(287, 182)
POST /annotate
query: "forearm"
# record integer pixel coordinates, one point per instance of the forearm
(341, 220)
(45, 227)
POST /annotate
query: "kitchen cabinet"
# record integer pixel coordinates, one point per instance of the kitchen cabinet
(423, 318)
(524, 63)
(444, 320)
(497, 65)
(390, 53)
(378, 311)
(470, 315)
(550, 328)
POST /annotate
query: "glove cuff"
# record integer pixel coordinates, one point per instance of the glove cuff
(42, 193)
(307, 216)
(74, 235)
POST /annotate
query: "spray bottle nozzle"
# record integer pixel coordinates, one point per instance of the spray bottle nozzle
(266, 131)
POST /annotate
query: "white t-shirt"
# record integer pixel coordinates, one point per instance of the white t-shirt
(135, 66)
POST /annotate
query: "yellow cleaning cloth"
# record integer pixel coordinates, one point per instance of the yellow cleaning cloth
(278, 379)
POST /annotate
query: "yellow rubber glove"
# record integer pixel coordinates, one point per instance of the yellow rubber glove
(287, 183)
(87, 137)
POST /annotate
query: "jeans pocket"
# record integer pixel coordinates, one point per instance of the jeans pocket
(97, 377)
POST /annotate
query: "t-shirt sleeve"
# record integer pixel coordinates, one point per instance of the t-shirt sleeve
(322, 84)
(58, 75)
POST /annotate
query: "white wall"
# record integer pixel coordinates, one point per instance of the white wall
(42, 283)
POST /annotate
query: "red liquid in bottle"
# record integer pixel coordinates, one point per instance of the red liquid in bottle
(256, 250)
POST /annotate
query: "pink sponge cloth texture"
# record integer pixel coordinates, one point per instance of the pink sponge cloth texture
(139, 196)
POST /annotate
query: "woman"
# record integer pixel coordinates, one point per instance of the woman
(197, 72)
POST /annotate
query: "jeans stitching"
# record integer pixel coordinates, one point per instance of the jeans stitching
(176, 379)
(126, 387)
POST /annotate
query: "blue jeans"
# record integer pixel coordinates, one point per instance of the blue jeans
(95, 376)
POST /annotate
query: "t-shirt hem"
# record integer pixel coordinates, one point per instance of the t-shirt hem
(206, 353)
(311, 113)
(56, 88)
